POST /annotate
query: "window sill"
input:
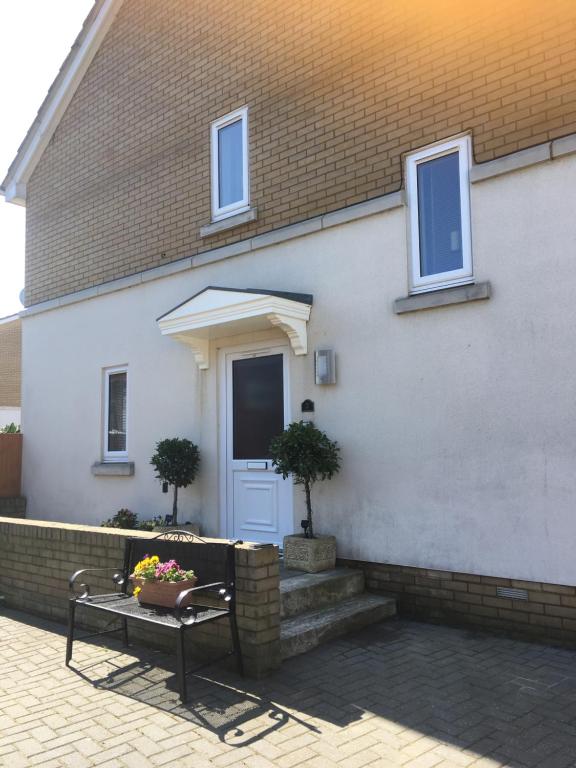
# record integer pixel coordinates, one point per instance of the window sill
(459, 295)
(113, 468)
(230, 221)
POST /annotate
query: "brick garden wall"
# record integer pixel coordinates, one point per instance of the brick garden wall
(549, 613)
(39, 557)
(337, 91)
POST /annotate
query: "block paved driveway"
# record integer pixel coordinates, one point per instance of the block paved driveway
(400, 693)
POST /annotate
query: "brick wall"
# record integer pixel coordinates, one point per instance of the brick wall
(337, 91)
(10, 363)
(39, 557)
(548, 614)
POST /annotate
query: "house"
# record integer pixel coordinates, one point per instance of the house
(361, 208)
(10, 369)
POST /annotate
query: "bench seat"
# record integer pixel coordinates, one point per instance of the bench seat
(213, 598)
(129, 607)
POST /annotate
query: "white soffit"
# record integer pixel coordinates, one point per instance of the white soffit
(59, 97)
(217, 312)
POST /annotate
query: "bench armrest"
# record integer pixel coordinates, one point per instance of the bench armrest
(75, 584)
(186, 613)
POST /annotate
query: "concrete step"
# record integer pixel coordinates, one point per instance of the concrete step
(307, 591)
(300, 634)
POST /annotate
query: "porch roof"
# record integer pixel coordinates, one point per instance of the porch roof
(217, 311)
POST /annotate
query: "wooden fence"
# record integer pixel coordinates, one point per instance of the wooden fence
(10, 465)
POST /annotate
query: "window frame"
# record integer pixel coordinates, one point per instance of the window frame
(113, 456)
(421, 283)
(223, 212)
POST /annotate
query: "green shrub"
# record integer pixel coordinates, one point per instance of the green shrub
(149, 525)
(122, 519)
(307, 454)
(10, 429)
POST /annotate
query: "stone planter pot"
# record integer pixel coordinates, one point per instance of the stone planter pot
(309, 555)
(162, 593)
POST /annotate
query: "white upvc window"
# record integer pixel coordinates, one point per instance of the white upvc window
(115, 414)
(437, 183)
(229, 161)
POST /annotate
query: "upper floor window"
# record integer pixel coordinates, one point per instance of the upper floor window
(439, 209)
(115, 414)
(230, 181)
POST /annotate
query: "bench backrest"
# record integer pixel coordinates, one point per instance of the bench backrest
(210, 561)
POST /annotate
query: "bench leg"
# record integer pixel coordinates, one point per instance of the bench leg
(125, 632)
(236, 643)
(181, 666)
(70, 638)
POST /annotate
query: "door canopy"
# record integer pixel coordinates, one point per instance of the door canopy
(216, 312)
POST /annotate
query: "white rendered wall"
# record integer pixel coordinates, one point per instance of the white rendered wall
(457, 425)
(9, 415)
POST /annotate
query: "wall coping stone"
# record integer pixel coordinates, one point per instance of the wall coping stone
(515, 162)
(564, 146)
(48, 525)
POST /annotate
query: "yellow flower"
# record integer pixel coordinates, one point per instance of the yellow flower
(137, 591)
(147, 562)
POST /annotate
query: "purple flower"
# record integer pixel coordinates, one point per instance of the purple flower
(169, 571)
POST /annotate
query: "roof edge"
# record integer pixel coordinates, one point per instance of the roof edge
(9, 319)
(300, 298)
(58, 98)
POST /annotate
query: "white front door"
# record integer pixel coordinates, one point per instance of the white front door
(257, 501)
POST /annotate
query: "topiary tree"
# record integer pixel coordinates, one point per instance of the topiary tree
(308, 455)
(176, 462)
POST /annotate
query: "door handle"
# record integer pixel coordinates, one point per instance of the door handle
(256, 465)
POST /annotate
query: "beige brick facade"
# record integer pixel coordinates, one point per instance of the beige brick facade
(337, 91)
(10, 363)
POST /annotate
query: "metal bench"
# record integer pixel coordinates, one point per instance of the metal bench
(212, 599)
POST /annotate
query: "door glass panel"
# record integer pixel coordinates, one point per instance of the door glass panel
(257, 405)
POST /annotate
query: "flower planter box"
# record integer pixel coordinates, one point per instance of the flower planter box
(162, 593)
(309, 555)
